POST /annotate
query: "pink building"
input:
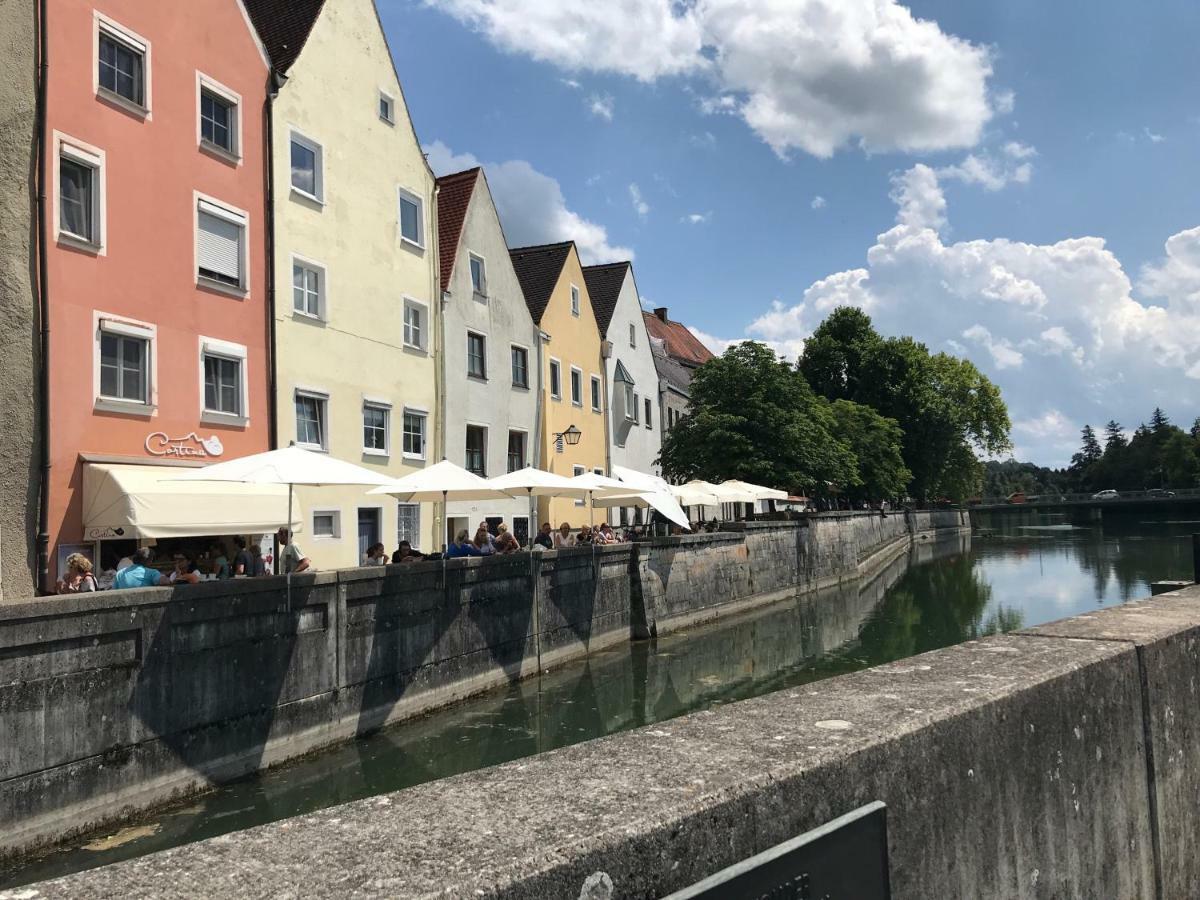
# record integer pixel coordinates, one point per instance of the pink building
(157, 269)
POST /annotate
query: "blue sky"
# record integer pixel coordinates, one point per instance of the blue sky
(998, 180)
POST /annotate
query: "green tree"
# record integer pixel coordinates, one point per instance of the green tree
(754, 417)
(834, 354)
(1158, 421)
(1179, 460)
(1091, 451)
(877, 444)
(1114, 436)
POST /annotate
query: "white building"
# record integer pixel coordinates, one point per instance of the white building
(631, 379)
(491, 361)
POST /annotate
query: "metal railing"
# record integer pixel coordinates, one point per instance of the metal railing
(1126, 496)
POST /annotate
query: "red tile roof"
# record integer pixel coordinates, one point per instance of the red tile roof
(454, 196)
(680, 343)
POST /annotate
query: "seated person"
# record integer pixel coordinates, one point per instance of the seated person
(585, 536)
(405, 554)
(563, 537)
(186, 571)
(483, 542)
(376, 555)
(545, 537)
(461, 546)
(506, 543)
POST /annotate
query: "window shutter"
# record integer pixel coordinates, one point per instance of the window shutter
(219, 243)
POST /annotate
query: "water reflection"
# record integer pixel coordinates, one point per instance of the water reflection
(941, 593)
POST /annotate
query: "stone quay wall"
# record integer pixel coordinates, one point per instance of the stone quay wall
(116, 701)
(1061, 761)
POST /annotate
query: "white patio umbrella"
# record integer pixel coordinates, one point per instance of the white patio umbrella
(758, 491)
(536, 483)
(289, 465)
(697, 493)
(443, 481)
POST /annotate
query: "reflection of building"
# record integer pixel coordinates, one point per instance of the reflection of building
(157, 287)
(491, 357)
(677, 354)
(355, 248)
(572, 385)
(19, 447)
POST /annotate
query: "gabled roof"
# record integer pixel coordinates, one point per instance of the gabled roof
(538, 269)
(454, 196)
(675, 376)
(604, 287)
(283, 26)
(679, 342)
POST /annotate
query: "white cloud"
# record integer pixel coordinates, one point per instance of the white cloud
(1017, 150)
(809, 75)
(640, 206)
(705, 140)
(697, 218)
(818, 202)
(601, 106)
(715, 344)
(1004, 102)
(532, 206)
(1152, 137)
(571, 83)
(1004, 355)
(989, 173)
(919, 198)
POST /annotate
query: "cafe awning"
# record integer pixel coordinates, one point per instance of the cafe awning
(131, 501)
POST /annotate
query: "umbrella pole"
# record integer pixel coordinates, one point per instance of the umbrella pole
(446, 546)
(291, 537)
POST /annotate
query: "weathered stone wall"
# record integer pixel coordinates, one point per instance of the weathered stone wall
(20, 361)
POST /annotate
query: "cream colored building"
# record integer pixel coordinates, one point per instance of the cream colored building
(355, 255)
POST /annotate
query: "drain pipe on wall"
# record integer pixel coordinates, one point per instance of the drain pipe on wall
(43, 285)
(274, 83)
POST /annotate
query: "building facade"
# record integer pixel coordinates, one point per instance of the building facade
(156, 262)
(631, 380)
(355, 250)
(491, 358)
(678, 353)
(555, 290)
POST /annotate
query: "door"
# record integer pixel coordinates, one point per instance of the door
(369, 529)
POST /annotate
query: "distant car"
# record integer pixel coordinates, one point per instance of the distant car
(1016, 497)
(1159, 493)
(1106, 495)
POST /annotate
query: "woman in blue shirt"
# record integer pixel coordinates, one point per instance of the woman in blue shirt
(462, 546)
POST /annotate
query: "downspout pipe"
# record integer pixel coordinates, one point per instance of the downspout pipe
(274, 83)
(43, 284)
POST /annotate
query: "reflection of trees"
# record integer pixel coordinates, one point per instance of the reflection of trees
(1002, 621)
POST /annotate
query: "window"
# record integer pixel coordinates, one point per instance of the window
(634, 405)
(312, 412)
(555, 379)
(576, 386)
(414, 434)
(630, 403)
(414, 324)
(326, 524)
(574, 300)
(408, 524)
(80, 194)
(598, 471)
(387, 108)
(576, 471)
(477, 450)
(478, 274)
(224, 380)
(595, 393)
(122, 65)
(649, 418)
(308, 288)
(375, 428)
(124, 368)
(520, 366)
(632, 335)
(476, 355)
(220, 245)
(307, 168)
(220, 128)
(516, 450)
(412, 222)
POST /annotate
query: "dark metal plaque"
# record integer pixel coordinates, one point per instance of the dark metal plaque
(846, 859)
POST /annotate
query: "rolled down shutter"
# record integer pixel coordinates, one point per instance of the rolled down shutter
(219, 244)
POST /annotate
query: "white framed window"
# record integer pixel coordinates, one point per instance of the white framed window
(478, 274)
(630, 403)
(326, 524)
(308, 167)
(555, 379)
(408, 524)
(414, 433)
(122, 66)
(632, 335)
(595, 393)
(312, 419)
(598, 471)
(576, 386)
(517, 442)
(476, 450)
(222, 260)
(411, 218)
(218, 120)
(416, 315)
(574, 301)
(224, 398)
(520, 365)
(387, 107)
(576, 471)
(476, 355)
(309, 284)
(377, 415)
(79, 194)
(649, 414)
(125, 367)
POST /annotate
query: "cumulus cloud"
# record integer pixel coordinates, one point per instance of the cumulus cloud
(601, 106)
(697, 218)
(531, 206)
(715, 344)
(818, 202)
(918, 196)
(808, 75)
(1004, 355)
(640, 206)
(988, 172)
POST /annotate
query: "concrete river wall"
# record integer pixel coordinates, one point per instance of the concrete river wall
(115, 701)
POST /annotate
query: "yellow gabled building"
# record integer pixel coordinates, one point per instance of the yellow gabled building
(571, 371)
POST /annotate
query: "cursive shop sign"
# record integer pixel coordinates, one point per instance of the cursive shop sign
(188, 446)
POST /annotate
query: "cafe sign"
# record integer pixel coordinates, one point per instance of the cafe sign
(191, 446)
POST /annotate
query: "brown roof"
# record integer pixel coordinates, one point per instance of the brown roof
(538, 269)
(283, 26)
(454, 196)
(604, 287)
(680, 343)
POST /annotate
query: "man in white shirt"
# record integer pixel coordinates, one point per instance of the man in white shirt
(290, 556)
